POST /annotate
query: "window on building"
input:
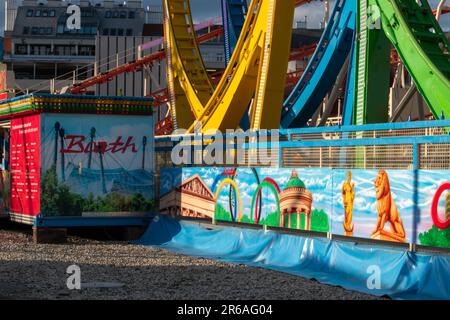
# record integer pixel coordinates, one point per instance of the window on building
(87, 13)
(41, 30)
(60, 28)
(86, 50)
(26, 30)
(34, 30)
(65, 50)
(40, 49)
(120, 32)
(37, 13)
(108, 14)
(123, 14)
(131, 15)
(51, 13)
(129, 32)
(29, 13)
(115, 14)
(44, 13)
(21, 49)
(112, 32)
(105, 31)
(48, 30)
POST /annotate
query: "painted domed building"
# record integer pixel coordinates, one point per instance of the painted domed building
(295, 199)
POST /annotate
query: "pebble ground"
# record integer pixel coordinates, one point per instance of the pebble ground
(119, 270)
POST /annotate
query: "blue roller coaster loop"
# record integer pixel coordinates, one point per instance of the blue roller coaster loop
(323, 68)
(233, 17)
(347, 114)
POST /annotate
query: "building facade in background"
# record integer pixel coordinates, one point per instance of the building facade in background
(39, 46)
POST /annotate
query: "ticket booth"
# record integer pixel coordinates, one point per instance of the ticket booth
(77, 160)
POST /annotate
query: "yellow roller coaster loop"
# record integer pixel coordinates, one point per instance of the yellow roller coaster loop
(257, 69)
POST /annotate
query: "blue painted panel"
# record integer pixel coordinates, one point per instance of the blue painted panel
(403, 274)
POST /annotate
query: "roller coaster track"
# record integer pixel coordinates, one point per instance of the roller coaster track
(257, 54)
(323, 68)
(305, 107)
(135, 65)
(423, 48)
(165, 126)
(233, 17)
(411, 28)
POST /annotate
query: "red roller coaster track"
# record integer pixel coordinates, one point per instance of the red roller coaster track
(133, 66)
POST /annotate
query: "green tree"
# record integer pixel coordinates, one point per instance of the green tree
(89, 203)
(56, 198)
(435, 237)
(271, 220)
(221, 214)
(49, 186)
(319, 221)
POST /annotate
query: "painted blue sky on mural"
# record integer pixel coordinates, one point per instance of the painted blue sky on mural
(326, 184)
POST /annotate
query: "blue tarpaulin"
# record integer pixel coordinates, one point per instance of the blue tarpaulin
(402, 274)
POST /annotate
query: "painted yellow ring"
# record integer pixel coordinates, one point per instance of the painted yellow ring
(238, 196)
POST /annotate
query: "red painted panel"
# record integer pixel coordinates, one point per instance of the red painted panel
(25, 165)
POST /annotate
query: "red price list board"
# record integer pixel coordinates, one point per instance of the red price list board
(25, 165)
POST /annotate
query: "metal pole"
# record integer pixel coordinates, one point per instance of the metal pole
(144, 143)
(61, 135)
(91, 146)
(416, 212)
(101, 149)
(403, 103)
(57, 127)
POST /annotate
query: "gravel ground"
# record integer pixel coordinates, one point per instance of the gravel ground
(118, 270)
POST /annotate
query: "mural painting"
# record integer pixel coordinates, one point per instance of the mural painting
(375, 204)
(91, 167)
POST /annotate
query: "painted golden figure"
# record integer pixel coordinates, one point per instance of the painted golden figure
(387, 212)
(348, 197)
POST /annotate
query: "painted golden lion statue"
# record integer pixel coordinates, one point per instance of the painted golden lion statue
(387, 211)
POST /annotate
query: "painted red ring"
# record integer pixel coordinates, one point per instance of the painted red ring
(434, 207)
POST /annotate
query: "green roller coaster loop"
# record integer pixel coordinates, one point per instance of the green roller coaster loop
(272, 188)
(422, 46)
(372, 66)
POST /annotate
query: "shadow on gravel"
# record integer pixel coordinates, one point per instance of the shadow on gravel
(163, 277)
(90, 233)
